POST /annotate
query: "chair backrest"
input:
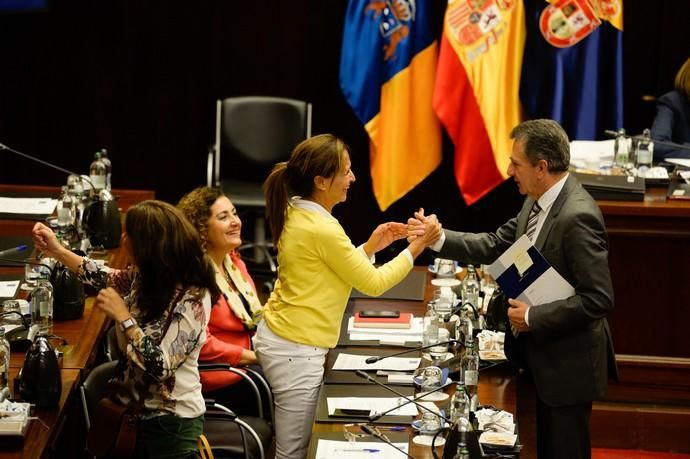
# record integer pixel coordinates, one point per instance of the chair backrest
(95, 387)
(253, 133)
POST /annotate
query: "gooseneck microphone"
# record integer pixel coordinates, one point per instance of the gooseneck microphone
(26, 261)
(375, 359)
(376, 416)
(45, 163)
(19, 248)
(370, 431)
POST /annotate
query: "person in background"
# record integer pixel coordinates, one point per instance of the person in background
(170, 283)
(318, 268)
(565, 345)
(235, 315)
(672, 121)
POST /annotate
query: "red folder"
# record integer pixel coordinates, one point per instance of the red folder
(403, 321)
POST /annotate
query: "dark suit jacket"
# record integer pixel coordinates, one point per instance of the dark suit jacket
(672, 124)
(568, 349)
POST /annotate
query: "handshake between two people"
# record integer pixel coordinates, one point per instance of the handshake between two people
(421, 231)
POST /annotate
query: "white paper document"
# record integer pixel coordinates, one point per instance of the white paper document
(358, 362)
(523, 273)
(38, 206)
(331, 449)
(373, 404)
(8, 288)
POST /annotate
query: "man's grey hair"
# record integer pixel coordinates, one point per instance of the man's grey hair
(544, 139)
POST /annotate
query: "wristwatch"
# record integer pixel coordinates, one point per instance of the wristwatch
(127, 324)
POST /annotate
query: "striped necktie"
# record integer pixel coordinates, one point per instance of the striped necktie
(532, 220)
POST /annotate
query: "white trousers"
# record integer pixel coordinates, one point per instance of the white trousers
(295, 372)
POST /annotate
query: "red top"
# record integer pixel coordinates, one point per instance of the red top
(226, 337)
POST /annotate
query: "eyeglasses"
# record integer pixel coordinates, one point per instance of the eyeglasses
(352, 432)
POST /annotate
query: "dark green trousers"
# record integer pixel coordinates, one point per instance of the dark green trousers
(168, 437)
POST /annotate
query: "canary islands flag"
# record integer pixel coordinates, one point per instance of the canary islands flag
(477, 88)
(387, 69)
(573, 65)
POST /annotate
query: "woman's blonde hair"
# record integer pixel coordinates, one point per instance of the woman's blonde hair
(682, 82)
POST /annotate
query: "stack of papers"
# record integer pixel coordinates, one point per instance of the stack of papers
(372, 404)
(358, 362)
(387, 335)
(8, 288)
(38, 206)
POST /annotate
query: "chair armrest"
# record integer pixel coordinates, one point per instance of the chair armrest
(210, 366)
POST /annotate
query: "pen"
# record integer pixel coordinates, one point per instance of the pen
(393, 428)
(361, 450)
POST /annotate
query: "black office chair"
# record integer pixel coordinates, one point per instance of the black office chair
(252, 135)
(229, 436)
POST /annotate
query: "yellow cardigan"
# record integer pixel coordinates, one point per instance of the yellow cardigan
(318, 266)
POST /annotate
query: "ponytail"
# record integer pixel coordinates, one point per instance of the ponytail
(276, 193)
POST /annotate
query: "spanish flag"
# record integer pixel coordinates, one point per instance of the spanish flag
(387, 69)
(573, 65)
(477, 84)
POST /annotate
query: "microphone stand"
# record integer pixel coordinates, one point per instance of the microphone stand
(376, 416)
(375, 359)
(368, 430)
(27, 261)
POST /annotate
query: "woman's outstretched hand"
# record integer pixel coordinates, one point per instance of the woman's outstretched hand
(384, 235)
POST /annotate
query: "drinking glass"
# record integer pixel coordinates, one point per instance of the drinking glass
(430, 423)
(429, 378)
(446, 268)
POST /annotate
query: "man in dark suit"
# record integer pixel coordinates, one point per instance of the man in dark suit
(566, 344)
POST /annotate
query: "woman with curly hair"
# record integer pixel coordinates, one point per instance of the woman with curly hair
(235, 314)
(160, 305)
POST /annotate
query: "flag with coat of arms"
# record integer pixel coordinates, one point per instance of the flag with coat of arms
(476, 93)
(573, 65)
(387, 71)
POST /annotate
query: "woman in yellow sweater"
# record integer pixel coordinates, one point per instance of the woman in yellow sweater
(318, 268)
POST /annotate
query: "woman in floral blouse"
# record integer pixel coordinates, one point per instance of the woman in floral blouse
(234, 317)
(169, 274)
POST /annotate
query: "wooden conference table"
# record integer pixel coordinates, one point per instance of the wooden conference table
(60, 431)
(496, 385)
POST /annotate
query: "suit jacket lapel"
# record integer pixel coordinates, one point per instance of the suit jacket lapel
(523, 216)
(554, 211)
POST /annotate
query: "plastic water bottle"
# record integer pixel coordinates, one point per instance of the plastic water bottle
(621, 150)
(108, 168)
(430, 331)
(470, 374)
(470, 287)
(644, 153)
(4, 361)
(462, 452)
(97, 173)
(65, 208)
(460, 408)
(42, 305)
